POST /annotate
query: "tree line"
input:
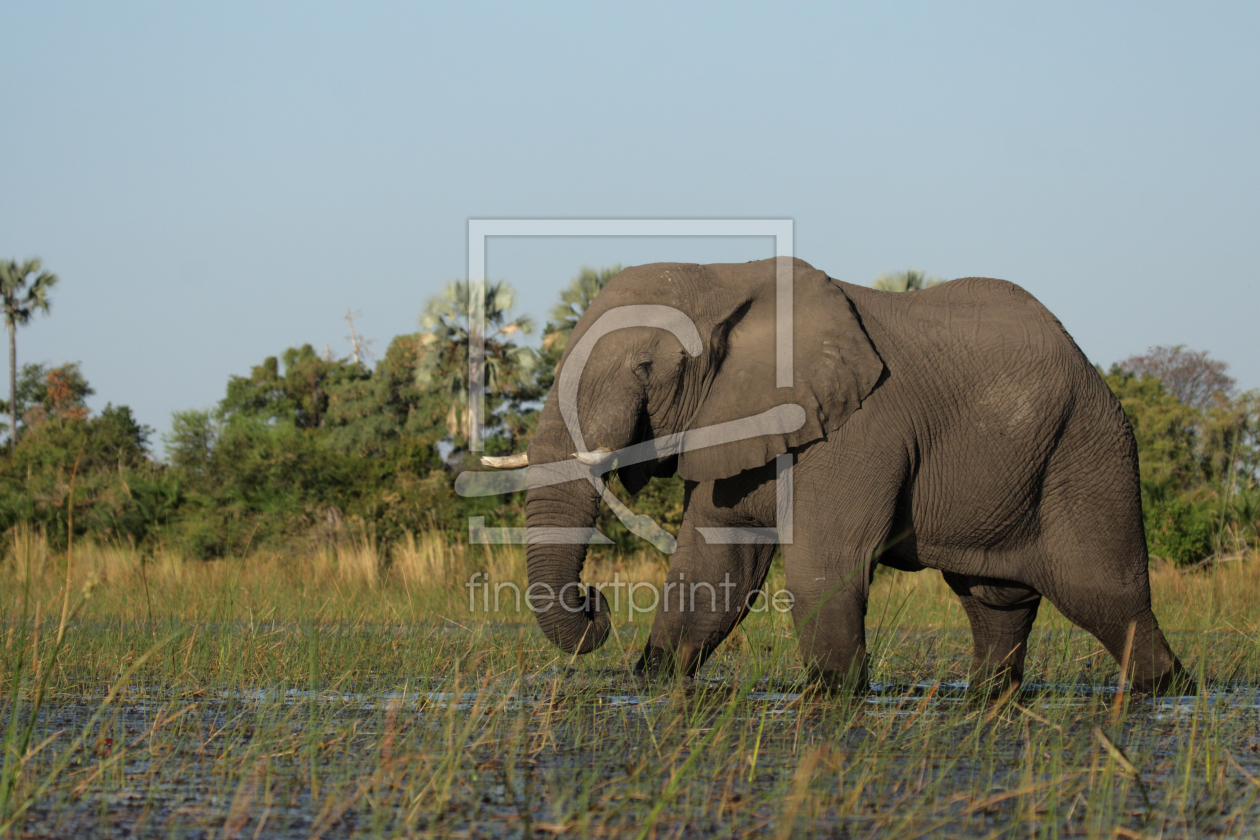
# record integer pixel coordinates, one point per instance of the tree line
(307, 448)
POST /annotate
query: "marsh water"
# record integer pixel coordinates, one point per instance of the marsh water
(483, 737)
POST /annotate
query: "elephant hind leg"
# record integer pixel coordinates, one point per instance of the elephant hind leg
(1001, 614)
(1093, 564)
(1152, 666)
(1106, 591)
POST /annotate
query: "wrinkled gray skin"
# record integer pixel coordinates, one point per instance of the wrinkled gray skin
(957, 428)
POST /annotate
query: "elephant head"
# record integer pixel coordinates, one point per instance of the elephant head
(634, 372)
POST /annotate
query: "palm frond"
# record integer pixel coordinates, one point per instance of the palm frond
(581, 292)
(24, 290)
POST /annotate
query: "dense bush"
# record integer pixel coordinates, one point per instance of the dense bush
(101, 456)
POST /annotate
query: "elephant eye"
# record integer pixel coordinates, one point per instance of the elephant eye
(643, 369)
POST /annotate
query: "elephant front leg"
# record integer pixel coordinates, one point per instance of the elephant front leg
(829, 611)
(704, 597)
(1001, 614)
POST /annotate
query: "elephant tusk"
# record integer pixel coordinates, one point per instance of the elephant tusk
(591, 458)
(506, 462)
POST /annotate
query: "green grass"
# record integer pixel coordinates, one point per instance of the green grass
(334, 697)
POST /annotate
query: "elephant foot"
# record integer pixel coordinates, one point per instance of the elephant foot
(995, 689)
(1159, 672)
(843, 682)
(986, 684)
(1175, 682)
(658, 664)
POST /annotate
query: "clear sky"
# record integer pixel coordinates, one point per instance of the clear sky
(215, 183)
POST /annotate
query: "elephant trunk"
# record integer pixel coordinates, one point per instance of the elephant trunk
(560, 517)
(574, 618)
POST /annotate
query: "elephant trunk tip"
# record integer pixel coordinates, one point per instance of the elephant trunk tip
(587, 627)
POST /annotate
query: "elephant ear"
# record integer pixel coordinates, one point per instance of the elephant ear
(835, 367)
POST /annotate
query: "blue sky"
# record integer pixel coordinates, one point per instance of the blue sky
(216, 182)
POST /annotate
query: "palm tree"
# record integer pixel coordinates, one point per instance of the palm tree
(23, 291)
(443, 363)
(574, 302)
(905, 281)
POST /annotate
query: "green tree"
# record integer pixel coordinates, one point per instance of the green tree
(296, 394)
(366, 417)
(107, 453)
(575, 299)
(44, 392)
(905, 281)
(191, 440)
(120, 433)
(24, 291)
(507, 369)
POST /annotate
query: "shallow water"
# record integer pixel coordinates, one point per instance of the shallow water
(600, 746)
(133, 781)
(881, 697)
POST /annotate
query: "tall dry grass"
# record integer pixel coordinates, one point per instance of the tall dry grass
(426, 573)
(26, 555)
(427, 560)
(356, 560)
(1222, 596)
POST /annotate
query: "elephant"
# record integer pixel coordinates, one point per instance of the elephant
(957, 428)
